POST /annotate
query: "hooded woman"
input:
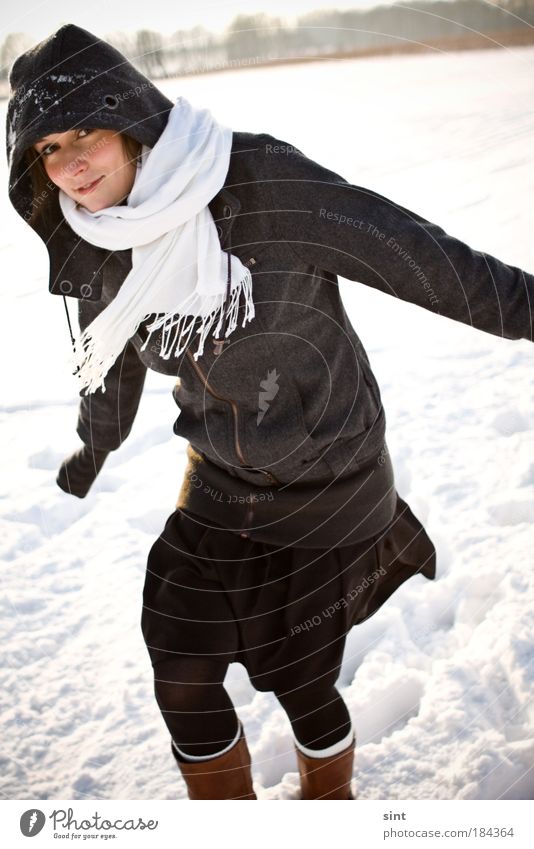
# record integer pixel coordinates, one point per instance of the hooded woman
(212, 256)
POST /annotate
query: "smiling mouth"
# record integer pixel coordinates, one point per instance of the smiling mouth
(83, 190)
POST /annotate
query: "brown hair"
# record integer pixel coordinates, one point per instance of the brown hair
(42, 185)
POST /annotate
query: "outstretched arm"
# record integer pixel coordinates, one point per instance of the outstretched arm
(361, 235)
(104, 418)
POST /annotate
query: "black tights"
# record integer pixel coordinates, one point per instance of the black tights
(201, 717)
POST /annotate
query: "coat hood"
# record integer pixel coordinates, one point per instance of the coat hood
(73, 79)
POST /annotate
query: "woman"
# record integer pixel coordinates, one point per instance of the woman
(213, 256)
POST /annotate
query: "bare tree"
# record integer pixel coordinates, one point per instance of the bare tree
(149, 46)
(252, 36)
(14, 44)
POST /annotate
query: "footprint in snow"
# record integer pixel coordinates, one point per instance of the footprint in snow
(510, 422)
(512, 513)
(528, 476)
(45, 459)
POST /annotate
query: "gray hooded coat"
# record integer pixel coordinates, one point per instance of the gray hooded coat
(285, 424)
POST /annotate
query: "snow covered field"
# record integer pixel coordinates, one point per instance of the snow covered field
(439, 682)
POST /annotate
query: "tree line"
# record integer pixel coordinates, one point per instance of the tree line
(262, 38)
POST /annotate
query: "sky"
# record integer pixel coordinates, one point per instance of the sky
(39, 18)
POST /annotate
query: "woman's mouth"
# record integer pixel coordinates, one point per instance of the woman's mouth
(84, 190)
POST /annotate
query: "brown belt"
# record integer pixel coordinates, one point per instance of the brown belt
(335, 513)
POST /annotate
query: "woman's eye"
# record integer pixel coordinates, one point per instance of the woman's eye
(45, 151)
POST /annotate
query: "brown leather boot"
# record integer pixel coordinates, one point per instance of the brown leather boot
(327, 778)
(227, 776)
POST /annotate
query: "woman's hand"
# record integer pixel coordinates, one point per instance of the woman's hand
(78, 472)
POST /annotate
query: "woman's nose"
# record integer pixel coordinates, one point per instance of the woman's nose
(75, 166)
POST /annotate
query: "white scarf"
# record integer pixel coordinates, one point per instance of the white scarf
(178, 269)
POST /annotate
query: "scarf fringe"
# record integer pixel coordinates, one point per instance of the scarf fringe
(177, 344)
(91, 366)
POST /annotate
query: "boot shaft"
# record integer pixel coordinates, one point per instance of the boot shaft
(326, 778)
(227, 776)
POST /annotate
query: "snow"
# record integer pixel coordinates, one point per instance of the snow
(439, 682)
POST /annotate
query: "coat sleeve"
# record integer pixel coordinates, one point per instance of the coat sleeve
(361, 235)
(105, 418)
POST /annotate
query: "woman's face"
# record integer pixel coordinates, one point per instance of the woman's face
(74, 159)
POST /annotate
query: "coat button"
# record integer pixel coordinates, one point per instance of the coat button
(227, 211)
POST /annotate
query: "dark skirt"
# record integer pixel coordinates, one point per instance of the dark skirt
(284, 613)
